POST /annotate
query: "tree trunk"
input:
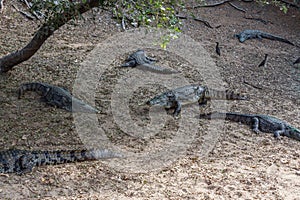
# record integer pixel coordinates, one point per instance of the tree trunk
(44, 32)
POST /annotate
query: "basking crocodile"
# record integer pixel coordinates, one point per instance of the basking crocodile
(191, 94)
(250, 34)
(140, 60)
(23, 161)
(56, 96)
(263, 123)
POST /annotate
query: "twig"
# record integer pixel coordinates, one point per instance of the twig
(123, 23)
(29, 5)
(212, 5)
(23, 13)
(236, 7)
(218, 51)
(206, 23)
(264, 62)
(6, 175)
(1, 6)
(254, 86)
(296, 61)
(257, 19)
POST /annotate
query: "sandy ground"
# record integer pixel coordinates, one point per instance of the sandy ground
(238, 165)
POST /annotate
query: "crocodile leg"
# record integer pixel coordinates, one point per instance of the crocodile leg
(255, 125)
(202, 102)
(177, 108)
(173, 103)
(130, 63)
(279, 132)
(26, 163)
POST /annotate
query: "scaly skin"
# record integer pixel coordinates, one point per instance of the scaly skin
(191, 94)
(250, 34)
(56, 96)
(140, 60)
(259, 123)
(23, 161)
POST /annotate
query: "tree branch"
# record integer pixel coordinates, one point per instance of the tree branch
(212, 5)
(236, 7)
(43, 33)
(206, 23)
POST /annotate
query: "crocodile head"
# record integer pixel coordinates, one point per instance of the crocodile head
(166, 99)
(295, 130)
(292, 132)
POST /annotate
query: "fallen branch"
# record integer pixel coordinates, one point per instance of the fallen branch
(257, 19)
(206, 23)
(218, 51)
(1, 6)
(236, 7)
(123, 23)
(254, 86)
(296, 61)
(212, 5)
(264, 62)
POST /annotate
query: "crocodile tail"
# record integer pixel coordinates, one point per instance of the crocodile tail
(37, 87)
(68, 156)
(156, 69)
(224, 95)
(274, 37)
(235, 117)
(213, 115)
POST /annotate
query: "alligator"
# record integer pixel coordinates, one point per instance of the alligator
(249, 34)
(175, 98)
(218, 51)
(56, 96)
(259, 123)
(23, 161)
(140, 60)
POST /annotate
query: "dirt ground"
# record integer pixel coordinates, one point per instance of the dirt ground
(241, 164)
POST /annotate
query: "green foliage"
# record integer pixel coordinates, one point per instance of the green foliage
(53, 11)
(147, 13)
(152, 13)
(135, 13)
(282, 6)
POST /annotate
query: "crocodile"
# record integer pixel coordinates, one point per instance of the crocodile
(259, 123)
(140, 60)
(23, 161)
(189, 94)
(56, 96)
(250, 34)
